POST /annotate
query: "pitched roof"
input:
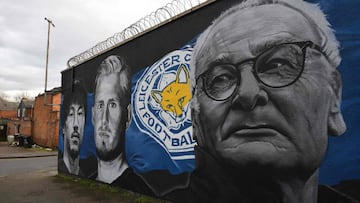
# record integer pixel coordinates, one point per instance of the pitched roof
(7, 105)
(27, 103)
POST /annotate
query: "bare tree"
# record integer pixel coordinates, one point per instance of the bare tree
(5, 103)
(4, 96)
(22, 95)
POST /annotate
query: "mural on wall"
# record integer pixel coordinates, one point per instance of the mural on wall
(266, 97)
(73, 114)
(161, 116)
(249, 110)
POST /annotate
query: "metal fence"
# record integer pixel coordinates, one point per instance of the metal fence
(153, 20)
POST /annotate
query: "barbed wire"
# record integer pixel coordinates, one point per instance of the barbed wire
(151, 21)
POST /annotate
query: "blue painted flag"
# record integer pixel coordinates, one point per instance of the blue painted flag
(159, 136)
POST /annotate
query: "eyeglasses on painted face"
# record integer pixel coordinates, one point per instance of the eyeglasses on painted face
(276, 67)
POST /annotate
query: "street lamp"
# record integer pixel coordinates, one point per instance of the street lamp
(47, 50)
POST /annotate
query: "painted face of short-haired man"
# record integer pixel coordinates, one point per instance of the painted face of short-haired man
(110, 116)
(267, 94)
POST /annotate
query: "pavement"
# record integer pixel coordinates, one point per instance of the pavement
(12, 151)
(45, 185)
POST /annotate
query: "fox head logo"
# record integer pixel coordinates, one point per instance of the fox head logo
(176, 95)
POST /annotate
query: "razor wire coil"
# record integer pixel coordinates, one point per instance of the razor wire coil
(148, 22)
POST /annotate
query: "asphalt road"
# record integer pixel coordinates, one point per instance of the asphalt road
(10, 167)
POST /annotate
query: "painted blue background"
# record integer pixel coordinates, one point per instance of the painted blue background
(343, 159)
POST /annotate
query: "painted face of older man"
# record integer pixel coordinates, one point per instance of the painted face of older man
(265, 91)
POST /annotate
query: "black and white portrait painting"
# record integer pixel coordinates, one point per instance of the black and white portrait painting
(233, 101)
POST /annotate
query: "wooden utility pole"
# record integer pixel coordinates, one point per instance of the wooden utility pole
(47, 50)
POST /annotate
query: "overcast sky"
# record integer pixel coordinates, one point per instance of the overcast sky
(79, 25)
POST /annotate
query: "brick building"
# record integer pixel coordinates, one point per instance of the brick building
(21, 124)
(46, 118)
(8, 111)
(5, 117)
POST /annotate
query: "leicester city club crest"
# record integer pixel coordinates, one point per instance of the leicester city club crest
(161, 104)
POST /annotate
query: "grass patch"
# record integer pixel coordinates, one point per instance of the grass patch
(97, 187)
